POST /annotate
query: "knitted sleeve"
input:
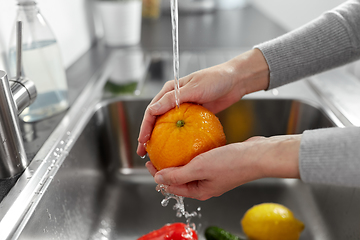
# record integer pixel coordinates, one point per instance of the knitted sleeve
(329, 41)
(331, 155)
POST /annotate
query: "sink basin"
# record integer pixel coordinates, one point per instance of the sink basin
(86, 181)
(103, 191)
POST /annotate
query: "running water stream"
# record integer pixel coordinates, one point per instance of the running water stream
(179, 205)
(175, 38)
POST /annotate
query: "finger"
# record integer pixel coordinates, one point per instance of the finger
(181, 175)
(189, 190)
(145, 132)
(169, 86)
(155, 108)
(255, 138)
(141, 151)
(167, 101)
(152, 170)
(149, 119)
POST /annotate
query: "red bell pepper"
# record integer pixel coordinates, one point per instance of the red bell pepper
(175, 231)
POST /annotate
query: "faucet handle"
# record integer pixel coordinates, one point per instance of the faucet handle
(23, 91)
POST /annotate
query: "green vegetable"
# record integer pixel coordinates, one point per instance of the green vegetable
(127, 88)
(216, 233)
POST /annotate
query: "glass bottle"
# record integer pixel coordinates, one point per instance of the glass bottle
(41, 63)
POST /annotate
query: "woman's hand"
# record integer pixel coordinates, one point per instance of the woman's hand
(222, 169)
(216, 88)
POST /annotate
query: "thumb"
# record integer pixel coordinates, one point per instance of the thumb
(188, 93)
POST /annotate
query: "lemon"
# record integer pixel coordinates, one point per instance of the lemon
(271, 221)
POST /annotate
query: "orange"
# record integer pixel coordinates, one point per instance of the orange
(183, 133)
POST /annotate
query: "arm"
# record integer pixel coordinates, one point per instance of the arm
(288, 59)
(326, 156)
(329, 41)
(222, 169)
(331, 156)
(216, 88)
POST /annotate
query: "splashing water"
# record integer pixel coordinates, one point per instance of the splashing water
(179, 207)
(175, 37)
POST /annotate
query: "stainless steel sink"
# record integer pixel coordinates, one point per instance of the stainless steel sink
(103, 191)
(86, 181)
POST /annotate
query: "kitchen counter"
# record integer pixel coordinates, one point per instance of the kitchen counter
(240, 28)
(221, 33)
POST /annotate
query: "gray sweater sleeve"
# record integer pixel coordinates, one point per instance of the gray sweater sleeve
(329, 41)
(332, 155)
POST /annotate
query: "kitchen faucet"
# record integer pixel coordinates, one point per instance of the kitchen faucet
(15, 95)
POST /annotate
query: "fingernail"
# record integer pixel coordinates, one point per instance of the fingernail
(156, 106)
(159, 179)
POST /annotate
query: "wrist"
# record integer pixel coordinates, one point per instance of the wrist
(282, 158)
(250, 71)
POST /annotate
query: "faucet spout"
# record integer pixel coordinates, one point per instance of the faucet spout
(15, 96)
(13, 158)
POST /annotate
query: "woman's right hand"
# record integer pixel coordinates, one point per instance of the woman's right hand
(216, 88)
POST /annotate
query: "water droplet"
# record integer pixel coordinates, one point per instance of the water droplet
(68, 133)
(47, 210)
(62, 142)
(164, 202)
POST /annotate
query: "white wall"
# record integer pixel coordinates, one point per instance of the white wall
(70, 20)
(291, 14)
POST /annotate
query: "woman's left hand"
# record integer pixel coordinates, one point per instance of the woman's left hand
(224, 168)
